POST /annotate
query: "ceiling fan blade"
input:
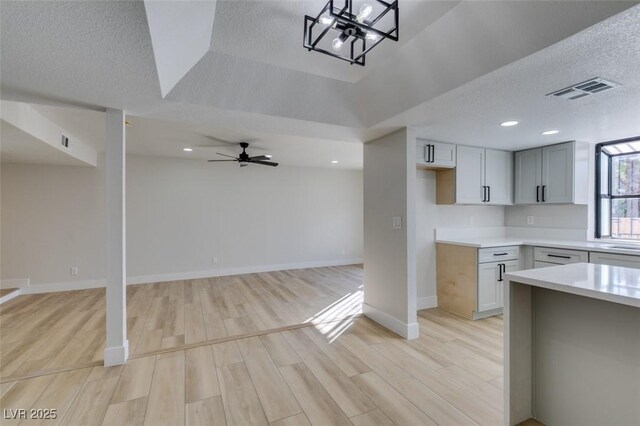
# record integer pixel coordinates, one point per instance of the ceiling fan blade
(210, 146)
(260, 157)
(225, 155)
(215, 161)
(264, 163)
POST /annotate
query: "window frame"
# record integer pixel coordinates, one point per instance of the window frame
(598, 193)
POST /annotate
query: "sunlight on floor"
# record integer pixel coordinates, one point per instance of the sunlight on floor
(336, 318)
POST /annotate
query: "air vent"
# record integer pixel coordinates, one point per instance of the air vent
(586, 88)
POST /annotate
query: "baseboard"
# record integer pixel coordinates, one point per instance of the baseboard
(187, 275)
(9, 296)
(15, 283)
(427, 302)
(192, 275)
(116, 355)
(68, 286)
(408, 331)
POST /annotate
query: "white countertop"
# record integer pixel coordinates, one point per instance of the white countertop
(483, 242)
(611, 283)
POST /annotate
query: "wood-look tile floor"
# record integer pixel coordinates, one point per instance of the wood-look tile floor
(54, 331)
(350, 372)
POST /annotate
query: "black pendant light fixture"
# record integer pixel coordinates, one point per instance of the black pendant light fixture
(349, 29)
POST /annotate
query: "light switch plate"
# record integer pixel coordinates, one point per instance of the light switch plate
(530, 220)
(396, 222)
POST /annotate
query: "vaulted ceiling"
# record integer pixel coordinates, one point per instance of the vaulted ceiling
(459, 66)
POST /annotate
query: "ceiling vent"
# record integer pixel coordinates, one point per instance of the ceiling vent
(586, 88)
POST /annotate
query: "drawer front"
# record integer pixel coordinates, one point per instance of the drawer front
(559, 256)
(627, 261)
(498, 254)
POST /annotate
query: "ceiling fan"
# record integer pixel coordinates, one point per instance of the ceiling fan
(244, 158)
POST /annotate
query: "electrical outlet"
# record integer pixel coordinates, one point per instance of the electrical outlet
(530, 220)
(396, 222)
(471, 220)
(344, 251)
(74, 270)
(214, 260)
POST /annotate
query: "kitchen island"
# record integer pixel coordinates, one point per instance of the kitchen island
(572, 345)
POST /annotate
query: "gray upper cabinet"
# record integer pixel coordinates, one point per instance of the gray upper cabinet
(557, 174)
(499, 176)
(528, 176)
(435, 154)
(484, 176)
(554, 174)
(470, 175)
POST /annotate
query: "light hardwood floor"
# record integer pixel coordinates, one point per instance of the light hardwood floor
(351, 371)
(57, 331)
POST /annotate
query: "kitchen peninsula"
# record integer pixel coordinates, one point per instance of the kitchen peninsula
(572, 345)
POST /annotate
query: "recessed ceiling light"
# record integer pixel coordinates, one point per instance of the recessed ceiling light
(550, 132)
(508, 123)
(187, 149)
(334, 161)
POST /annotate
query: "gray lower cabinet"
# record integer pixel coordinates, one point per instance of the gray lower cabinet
(549, 256)
(491, 283)
(627, 261)
(470, 280)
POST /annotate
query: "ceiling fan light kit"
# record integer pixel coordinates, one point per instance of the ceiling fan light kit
(349, 29)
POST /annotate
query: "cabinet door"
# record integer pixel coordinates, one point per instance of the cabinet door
(488, 288)
(421, 150)
(499, 176)
(528, 176)
(443, 154)
(509, 266)
(435, 154)
(557, 173)
(469, 175)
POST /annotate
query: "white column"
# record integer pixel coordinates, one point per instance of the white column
(117, 348)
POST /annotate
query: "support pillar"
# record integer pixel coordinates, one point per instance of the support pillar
(117, 348)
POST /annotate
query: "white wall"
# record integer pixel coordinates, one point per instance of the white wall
(180, 215)
(566, 216)
(389, 254)
(430, 216)
(52, 218)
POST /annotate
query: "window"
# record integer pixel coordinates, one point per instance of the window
(618, 189)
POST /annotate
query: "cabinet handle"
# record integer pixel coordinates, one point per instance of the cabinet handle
(558, 256)
(500, 265)
(538, 194)
(543, 195)
(484, 193)
(427, 154)
(502, 254)
(488, 194)
(433, 153)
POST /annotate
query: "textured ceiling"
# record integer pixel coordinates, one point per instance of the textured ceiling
(471, 114)
(460, 66)
(271, 32)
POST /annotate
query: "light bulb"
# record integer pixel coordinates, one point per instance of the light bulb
(364, 12)
(336, 44)
(371, 36)
(326, 20)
